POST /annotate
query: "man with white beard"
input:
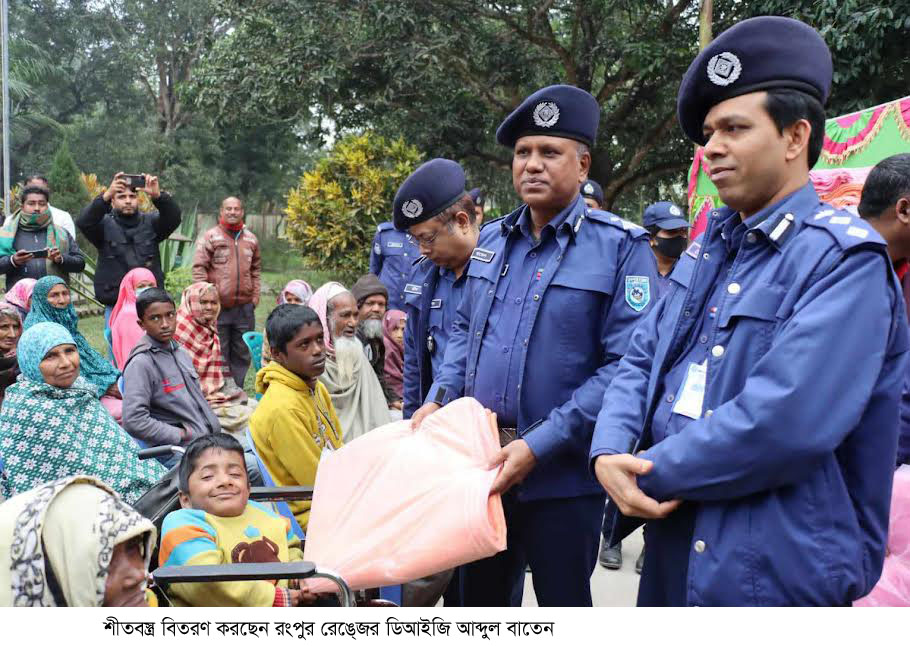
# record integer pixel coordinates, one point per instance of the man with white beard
(356, 392)
(372, 299)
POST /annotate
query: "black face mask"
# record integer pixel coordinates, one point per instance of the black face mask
(671, 247)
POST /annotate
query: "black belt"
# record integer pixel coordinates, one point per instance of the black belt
(507, 434)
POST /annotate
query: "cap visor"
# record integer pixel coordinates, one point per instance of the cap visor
(672, 223)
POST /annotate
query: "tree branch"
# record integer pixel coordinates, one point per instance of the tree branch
(665, 168)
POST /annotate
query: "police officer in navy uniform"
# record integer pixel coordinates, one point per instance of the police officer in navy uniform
(669, 232)
(480, 200)
(554, 291)
(752, 422)
(669, 237)
(592, 194)
(446, 228)
(391, 257)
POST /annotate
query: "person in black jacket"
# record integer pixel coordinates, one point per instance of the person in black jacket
(126, 238)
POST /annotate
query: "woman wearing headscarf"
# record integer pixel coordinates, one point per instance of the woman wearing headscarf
(197, 332)
(353, 385)
(10, 331)
(20, 296)
(125, 330)
(296, 292)
(73, 542)
(53, 426)
(51, 304)
(393, 337)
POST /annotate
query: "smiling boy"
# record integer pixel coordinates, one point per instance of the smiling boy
(295, 419)
(219, 524)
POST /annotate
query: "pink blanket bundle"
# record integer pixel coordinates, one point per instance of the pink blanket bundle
(893, 589)
(396, 505)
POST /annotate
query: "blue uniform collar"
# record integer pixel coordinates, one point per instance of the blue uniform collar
(775, 222)
(563, 225)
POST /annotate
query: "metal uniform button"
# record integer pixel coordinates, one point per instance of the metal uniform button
(717, 350)
(703, 338)
(709, 412)
(733, 288)
(536, 297)
(699, 546)
(478, 335)
(670, 399)
(705, 256)
(751, 237)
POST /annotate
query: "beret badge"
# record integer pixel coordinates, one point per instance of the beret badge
(412, 208)
(724, 68)
(546, 114)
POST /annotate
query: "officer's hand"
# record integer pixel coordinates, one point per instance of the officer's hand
(517, 460)
(421, 413)
(618, 475)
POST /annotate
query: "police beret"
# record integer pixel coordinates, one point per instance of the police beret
(664, 215)
(769, 52)
(477, 195)
(593, 190)
(428, 191)
(558, 111)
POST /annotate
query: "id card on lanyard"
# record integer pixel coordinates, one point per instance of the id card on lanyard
(691, 396)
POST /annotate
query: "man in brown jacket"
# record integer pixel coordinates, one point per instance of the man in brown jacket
(228, 256)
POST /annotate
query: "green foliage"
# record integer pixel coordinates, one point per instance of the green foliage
(177, 280)
(177, 250)
(333, 213)
(68, 191)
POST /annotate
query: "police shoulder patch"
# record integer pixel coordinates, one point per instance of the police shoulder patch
(638, 292)
(411, 288)
(377, 249)
(483, 255)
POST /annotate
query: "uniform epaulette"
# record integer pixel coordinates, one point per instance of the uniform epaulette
(493, 221)
(635, 230)
(847, 229)
(385, 226)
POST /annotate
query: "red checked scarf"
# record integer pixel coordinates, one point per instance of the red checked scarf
(202, 343)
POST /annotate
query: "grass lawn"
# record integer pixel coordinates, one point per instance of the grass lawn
(287, 269)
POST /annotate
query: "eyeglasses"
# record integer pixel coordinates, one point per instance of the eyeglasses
(427, 241)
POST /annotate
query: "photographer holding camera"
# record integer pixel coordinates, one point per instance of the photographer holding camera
(32, 246)
(125, 237)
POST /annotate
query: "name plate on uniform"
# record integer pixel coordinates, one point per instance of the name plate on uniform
(483, 255)
(411, 288)
(436, 303)
(395, 245)
(691, 395)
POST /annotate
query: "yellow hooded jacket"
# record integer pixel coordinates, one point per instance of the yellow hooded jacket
(286, 429)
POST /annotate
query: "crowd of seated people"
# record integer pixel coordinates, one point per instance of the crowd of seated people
(73, 420)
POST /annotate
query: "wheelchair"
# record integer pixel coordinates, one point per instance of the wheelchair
(162, 499)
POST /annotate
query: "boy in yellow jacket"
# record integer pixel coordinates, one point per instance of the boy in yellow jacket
(295, 420)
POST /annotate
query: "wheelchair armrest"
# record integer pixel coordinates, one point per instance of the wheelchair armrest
(159, 451)
(250, 572)
(233, 572)
(281, 493)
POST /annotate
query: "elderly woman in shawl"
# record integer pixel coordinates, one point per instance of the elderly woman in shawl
(124, 321)
(52, 425)
(296, 292)
(51, 304)
(20, 296)
(355, 390)
(197, 332)
(10, 331)
(73, 542)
